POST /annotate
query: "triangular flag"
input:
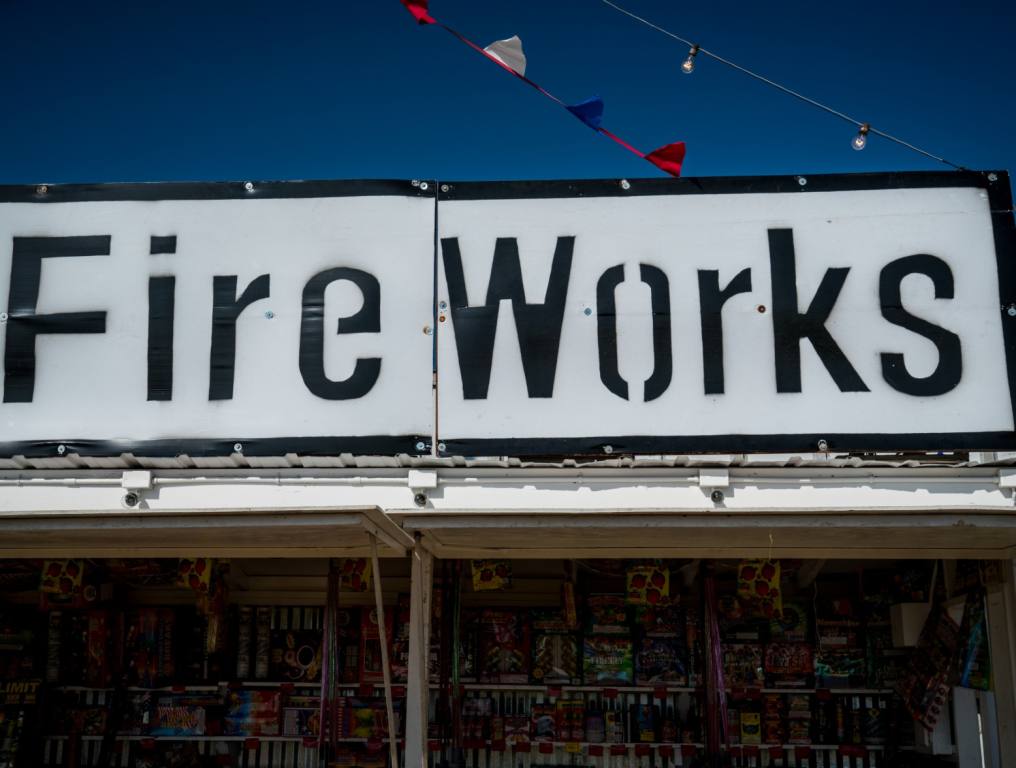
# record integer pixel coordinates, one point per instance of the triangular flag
(508, 52)
(589, 111)
(668, 158)
(419, 10)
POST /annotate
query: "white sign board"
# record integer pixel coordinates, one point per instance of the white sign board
(213, 319)
(858, 313)
(848, 313)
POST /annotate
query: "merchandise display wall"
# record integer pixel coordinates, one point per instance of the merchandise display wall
(193, 662)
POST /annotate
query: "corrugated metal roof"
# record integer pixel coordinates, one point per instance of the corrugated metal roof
(406, 461)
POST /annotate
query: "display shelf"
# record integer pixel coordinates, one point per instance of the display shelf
(605, 744)
(565, 688)
(286, 739)
(812, 691)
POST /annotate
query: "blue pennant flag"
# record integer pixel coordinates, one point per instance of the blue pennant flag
(589, 112)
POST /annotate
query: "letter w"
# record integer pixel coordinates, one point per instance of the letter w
(538, 325)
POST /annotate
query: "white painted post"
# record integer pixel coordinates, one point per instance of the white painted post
(417, 689)
(386, 670)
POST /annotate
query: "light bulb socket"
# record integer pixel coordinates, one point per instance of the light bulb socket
(689, 64)
(863, 129)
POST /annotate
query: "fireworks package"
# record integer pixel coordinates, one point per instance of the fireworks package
(608, 660)
(504, 647)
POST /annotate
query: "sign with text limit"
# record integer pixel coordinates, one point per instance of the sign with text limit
(856, 312)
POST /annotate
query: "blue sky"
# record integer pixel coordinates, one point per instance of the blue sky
(150, 91)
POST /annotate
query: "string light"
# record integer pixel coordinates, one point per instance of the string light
(696, 49)
(689, 64)
(860, 141)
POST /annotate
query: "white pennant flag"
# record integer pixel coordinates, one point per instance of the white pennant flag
(509, 52)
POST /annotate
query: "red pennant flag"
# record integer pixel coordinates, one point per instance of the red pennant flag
(668, 158)
(419, 10)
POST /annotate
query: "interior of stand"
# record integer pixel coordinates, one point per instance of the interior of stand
(814, 684)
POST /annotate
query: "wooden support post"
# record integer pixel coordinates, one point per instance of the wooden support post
(417, 690)
(386, 670)
(1002, 642)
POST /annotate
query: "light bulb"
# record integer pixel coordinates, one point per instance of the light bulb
(689, 64)
(860, 141)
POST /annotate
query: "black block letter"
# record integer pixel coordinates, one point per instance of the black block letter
(790, 325)
(23, 324)
(711, 301)
(950, 362)
(226, 309)
(538, 325)
(312, 334)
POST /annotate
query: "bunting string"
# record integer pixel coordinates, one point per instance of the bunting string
(863, 128)
(508, 55)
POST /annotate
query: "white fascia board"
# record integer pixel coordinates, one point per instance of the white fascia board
(790, 490)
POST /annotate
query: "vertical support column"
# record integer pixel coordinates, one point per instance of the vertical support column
(1002, 642)
(386, 670)
(417, 689)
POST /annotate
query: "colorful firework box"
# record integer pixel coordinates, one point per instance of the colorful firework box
(296, 655)
(556, 658)
(178, 717)
(608, 661)
(301, 716)
(252, 713)
(606, 615)
(660, 660)
(742, 665)
(504, 647)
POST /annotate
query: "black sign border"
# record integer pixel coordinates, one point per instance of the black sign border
(995, 183)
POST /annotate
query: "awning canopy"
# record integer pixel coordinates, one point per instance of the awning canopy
(868, 534)
(318, 532)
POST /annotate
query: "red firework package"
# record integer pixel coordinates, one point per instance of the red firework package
(195, 573)
(758, 584)
(491, 575)
(504, 647)
(354, 574)
(61, 577)
(647, 585)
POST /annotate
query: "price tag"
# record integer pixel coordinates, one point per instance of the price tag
(689, 750)
(287, 688)
(802, 753)
(473, 743)
(147, 743)
(554, 692)
(573, 748)
(618, 749)
(522, 746)
(660, 692)
(251, 743)
(546, 748)
(433, 745)
(398, 691)
(310, 742)
(178, 688)
(595, 750)
(374, 745)
(643, 750)
(497, 745)
(753, 694)
(823, 694)
(775, 753)
(366, 689)
(665, 750)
